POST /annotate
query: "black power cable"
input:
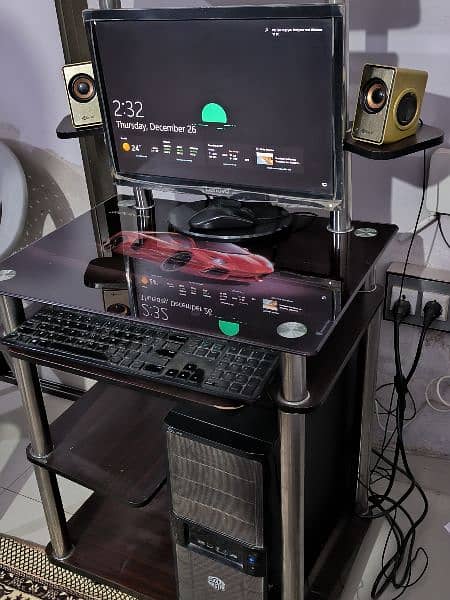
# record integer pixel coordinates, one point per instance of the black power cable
(397, 571)
(441, 230)
(416, 226)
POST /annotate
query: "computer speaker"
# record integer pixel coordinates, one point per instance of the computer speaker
(389, 104)
(82, 94)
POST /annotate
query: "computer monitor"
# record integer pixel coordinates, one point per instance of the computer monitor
(242, 100)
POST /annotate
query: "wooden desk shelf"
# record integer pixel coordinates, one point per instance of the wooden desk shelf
(112, 441)
(66, 130)
(425, 138)
(128, 548)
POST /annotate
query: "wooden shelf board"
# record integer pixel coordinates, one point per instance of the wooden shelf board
(112, 441)
(127, 548)
(66, 130)
(426, 137)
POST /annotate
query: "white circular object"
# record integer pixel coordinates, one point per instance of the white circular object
(366, 232)
(439, 391)
(292, 330)
(7, 274)
(13, 200)
(431, 403)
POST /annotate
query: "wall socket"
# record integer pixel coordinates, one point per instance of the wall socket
(411, 295)
(421, 285)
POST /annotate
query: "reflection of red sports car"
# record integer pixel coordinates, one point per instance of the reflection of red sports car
(176, 252)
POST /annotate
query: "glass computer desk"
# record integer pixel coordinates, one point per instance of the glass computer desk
(307, 293)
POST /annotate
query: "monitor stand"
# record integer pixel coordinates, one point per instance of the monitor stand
(218, 218)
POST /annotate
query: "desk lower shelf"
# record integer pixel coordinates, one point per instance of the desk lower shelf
(127, 548)
(112, 441)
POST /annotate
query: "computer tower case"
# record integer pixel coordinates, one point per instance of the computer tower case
(225, 493)
(225, 507)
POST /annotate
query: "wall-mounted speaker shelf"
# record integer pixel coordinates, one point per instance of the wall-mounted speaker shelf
(426, 137)
(66, 130)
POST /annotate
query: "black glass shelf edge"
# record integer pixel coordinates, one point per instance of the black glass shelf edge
(425, 138)
(325, 368)
(66, 130)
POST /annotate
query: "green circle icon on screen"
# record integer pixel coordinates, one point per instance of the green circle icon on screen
(214, 113)
(228, 327)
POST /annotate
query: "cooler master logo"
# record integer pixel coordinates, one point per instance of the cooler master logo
(216, 583)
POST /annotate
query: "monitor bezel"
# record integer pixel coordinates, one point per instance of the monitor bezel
(311, 11)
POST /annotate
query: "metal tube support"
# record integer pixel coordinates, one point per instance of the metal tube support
(292, 473)
(105, 4)
(372, 339)
(370, 284)
(341, 217)
(145, 208)
(11, 315)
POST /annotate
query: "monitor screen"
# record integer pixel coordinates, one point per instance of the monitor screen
(233, 99)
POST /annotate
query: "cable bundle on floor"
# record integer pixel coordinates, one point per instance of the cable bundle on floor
(400, 571)
(407, 563)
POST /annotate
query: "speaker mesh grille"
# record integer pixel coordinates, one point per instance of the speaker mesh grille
(200, 578)
(216, 489)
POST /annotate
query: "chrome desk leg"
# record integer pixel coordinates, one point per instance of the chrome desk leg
(370, 285)
(371, 341)
(11, 315)
(145, 209)
(292, 472)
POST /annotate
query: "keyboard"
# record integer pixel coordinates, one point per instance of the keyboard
(220, 367)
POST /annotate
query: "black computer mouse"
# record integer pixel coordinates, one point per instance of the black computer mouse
(222, 217)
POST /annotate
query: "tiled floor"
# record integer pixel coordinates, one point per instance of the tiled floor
(21, 512)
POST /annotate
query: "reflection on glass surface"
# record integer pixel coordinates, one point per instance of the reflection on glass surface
(286, 292)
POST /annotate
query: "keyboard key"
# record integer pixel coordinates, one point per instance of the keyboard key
(201, 352)
(236, 388)
(172, 372)
(197, 377)
(153, 368)
(178, 338)
(249, 389)
(166, 352)
(245, 352)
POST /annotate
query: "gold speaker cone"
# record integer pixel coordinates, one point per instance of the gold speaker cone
(406, 108)
(375, 96)
(82, 88)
